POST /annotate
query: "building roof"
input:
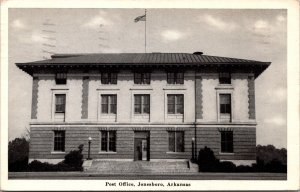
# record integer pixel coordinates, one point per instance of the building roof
(140, 59)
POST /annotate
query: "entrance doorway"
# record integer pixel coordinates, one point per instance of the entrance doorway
(141, 146)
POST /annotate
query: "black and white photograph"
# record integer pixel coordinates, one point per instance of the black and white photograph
(148, 98)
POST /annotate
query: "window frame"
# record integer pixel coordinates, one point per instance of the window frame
(176, 96)
(142, 104)
(227, 143)
(227, 90)
(225, 78)
(109, 99)
(176, 79)
(175, 142)
(53, 114)
(54, 141)
(108, 132)
(222, 116)
(143, 79)
(64, 104)
(110, 80)
(61, 78)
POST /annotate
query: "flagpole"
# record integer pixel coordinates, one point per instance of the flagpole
(145, 30)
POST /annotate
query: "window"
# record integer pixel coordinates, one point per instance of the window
(108, 141)
(141, 104)
(175, 78)
(109, 78)
(176, 141)
(227, 141)
(61, 78)
(225, 106)
(109, 104)
(141, 78)
(60, 103)
(175, 104)
(59, 140)
(224, 78)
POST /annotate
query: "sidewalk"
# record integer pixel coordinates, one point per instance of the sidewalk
(148, 176)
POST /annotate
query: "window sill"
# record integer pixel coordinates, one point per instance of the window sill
(175, 87)
(174, 153)
(58, 152)
(60, 87)
(175, 84)
(224, 86)
(107, 152)
(141, 87)
(226, 153)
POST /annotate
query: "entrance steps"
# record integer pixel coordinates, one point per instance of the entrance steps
(140, 167)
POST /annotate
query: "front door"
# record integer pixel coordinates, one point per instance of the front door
(141, 146)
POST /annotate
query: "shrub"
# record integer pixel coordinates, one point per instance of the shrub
(37, 166)
(18, 150)
(268, 153)
(74, 158)
(72, 162)
(226, 166)
(244, 168)
(207, 161)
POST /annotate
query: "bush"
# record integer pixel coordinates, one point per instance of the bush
(226, 166)
(268, 153)
(74, 158)
(18, 150)
(207, 161)
(37, 166)
(72, 162)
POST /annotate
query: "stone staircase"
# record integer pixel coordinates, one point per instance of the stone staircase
(139, 167)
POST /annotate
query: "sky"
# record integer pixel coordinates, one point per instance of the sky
(256, 34)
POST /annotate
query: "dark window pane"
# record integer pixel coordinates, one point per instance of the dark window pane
(59, 140)
(179, 109)
(146, 99)
(225, 103)
(112, 141)
(103, 140)
(179, 78)
(171, 108)
(170, 78)
(104, 99)
(60, 100)
(61, 78)
(146, 79)
(224, 98)
(171, 99)
(104, 108)
(172, 141)
(137, 78)
(179, 141)
(113, 108)
(137, 99)
(146, 108)
(113, 78)
(137, 109)
(227, 141)
(179, 99)
(225, 78)
(104, 78)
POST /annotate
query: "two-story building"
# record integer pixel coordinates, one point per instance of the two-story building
(143, 106)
